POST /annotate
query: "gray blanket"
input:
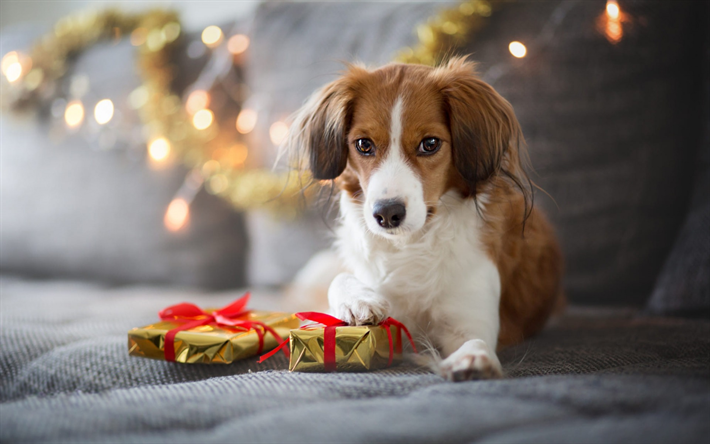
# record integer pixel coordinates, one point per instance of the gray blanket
(595, 376)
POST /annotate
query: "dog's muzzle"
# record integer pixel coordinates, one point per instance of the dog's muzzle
(389, 213)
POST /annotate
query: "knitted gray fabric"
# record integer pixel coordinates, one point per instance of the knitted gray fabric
(603, 375)
(683, 287)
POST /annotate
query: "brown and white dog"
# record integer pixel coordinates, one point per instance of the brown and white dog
(436, 227)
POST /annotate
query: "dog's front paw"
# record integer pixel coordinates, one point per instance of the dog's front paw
(363, 310)
(470, 362)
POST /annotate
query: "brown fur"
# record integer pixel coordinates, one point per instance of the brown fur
(482, 152)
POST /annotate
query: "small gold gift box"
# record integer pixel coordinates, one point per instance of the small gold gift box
(211, 336)
(335, 346)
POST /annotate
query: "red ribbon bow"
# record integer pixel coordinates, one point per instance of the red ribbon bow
(229, 316)
(331, 323)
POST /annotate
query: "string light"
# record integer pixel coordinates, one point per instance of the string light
(196, 101)
(159, 149)
(202, 119)
(103, 111)
(246, 121)
(517, 49)
(610, 22)
(212, 36)
(177, 214)
(11, 66)
(278, 132)
(237, 44)
(612, 9)
(9, 59)
(74, 113)
(138, 36)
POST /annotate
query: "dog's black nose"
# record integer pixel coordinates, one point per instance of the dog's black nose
(389, 213)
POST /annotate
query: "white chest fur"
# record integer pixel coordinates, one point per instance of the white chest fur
(439, 273)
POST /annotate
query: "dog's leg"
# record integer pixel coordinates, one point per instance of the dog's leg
(468, 333)
(354, 302)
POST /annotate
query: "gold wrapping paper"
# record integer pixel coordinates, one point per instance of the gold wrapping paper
(210, 344)
(359, 348)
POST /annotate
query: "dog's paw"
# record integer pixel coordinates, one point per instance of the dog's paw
(363, 310)
(470, 363)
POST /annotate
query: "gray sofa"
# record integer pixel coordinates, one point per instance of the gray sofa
(619, 135)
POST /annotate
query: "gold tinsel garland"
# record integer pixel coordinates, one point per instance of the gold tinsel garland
(162, 111)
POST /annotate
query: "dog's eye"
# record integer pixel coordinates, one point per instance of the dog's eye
(428, 146)
(365, 147)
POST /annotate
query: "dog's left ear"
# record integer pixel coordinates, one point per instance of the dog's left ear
(485, 132)
(319, 130)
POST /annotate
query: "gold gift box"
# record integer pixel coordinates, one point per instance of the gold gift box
(212, 343)
(358, 348)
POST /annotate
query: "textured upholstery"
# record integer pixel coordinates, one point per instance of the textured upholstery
(613, 130)
(683, 286)
(597, 376)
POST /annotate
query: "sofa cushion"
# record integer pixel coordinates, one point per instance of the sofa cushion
(73, 209)
(683, 287)
(612, 128)
(606, 375)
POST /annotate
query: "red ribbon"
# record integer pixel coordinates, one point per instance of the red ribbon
(330, 324)
(229, 316)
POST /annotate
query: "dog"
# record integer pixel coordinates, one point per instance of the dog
(437, 226)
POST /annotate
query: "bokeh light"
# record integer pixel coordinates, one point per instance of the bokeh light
(612, 9)
(12, 66)
(238, 43)
(202, 119)
(74, 113)
(196, 101)
(517, 49)
(278, 132)
(212, 36)
(177, 214)
(246, 121)
(103, 111)
(159, 149)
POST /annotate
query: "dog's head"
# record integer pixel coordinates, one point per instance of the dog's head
(399, 137)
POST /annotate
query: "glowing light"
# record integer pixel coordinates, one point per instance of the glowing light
(74, 113)
(196, 101)
(138, 97)
(202, 119)
(238, 43)
(517, 49)
(171, 31)
(177, 214)
(138, 36)
(212, 36)
(159, 149)
(13, 72)
(610, 23)
(246, 121)
(217, 184)
(9, 59)
(103, 111)
(278, 132)
(239, 154)
(613, 31)
(612, 9)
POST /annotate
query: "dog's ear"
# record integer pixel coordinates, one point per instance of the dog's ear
(319, 130)
(485, 132)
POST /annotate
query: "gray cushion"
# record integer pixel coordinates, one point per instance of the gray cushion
(612, 129)
(70, 209)
(597, 376)
(683, 287)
